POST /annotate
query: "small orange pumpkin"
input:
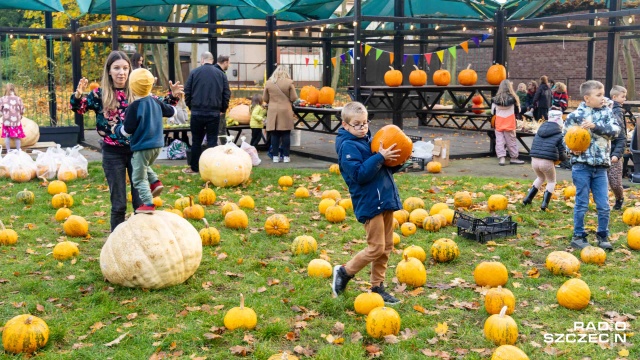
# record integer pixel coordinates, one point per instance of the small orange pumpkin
(577, 138)
(496, 74)
(389, 135)
(393, 77)
(468, 76)
(310, 94)
(434, 167)
(326, 95)
(442, 77)
(477, 99)
(417, 77)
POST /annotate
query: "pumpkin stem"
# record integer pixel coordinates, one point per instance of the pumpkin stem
(206, 223)
(29, 320)
(44, 179)
(468, 66)
(417, 68)
(391, 67)
(242, 302)
(206, 185)
(406, 258)
(503, 311)
(284, 355)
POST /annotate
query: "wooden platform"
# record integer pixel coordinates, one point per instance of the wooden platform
(43, 145)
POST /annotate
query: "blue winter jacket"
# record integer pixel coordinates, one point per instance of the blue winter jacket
(370, 183)
(599, 152)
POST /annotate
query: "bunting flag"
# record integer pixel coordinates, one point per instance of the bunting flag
(367, 48)
(404, 58)
(333, 61)
(452, 51)
(378, 53)
(512, 41)
(315, 63)
(485, 37)
(416, 59)
(427, 57)
(476, 40)
(342, 58)
(350, 52)
(391, 58)
(306, 60)
(465, 46)
(440, 55)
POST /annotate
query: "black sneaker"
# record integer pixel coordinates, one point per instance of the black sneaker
(388, 298)
(340, 280)
(579, 242)
(618, 204)
(603, 242)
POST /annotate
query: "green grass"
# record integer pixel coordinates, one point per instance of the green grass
(84, 312)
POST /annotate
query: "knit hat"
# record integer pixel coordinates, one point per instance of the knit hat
(555, 116)
(141, 81)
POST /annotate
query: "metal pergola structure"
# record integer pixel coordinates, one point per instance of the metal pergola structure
(438, 31)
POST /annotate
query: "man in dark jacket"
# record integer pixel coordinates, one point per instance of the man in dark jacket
(207, 94)
(543, 99)
(223, 65)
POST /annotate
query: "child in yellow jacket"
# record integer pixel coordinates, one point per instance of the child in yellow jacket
(258, 116)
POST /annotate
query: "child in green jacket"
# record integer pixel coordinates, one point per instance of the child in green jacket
(258, 116)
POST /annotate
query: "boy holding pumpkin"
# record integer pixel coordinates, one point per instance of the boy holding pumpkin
(374, 195)
(589, 167)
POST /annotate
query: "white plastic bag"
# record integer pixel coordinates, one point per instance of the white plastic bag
(251, 150)
(7, 162)
(67, 170)
(23, 167)
(46, 165)
(79, 161)
(423, 150)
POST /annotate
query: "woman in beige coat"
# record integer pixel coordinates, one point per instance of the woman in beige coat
(279, 93)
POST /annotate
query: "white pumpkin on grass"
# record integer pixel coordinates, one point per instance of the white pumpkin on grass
(225, 165)
(151, 251)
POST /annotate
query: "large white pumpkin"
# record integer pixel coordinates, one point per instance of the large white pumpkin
(225, 165)
(31, 132)
(151, 251)
(240, 113)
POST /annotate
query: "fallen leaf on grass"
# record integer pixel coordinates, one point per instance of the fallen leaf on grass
(623, 352)
(533, 273)
(117, 340)
(442, 329)
(211, 336)
(303, 351)
(356, 337)
(240, 350)
(391, 339)
(407, 334)
(338, 328)
(373, 350)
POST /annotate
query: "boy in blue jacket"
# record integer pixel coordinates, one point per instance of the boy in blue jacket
(143, 123)
(589, 168)
(374, 195)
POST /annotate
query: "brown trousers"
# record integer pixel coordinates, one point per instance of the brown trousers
(380, 243)
(614, 173)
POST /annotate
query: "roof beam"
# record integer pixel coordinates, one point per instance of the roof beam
(574, 17)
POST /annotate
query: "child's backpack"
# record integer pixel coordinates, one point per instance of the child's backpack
(177, 150)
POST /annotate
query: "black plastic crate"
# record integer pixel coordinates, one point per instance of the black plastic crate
(418, 163)
(483, 230)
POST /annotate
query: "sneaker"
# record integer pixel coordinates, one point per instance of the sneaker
(189, 171)
(146, 209)
(340, 280)
(625, 187)
(516, 161)
(156, 188)
(276, 159)
(618, 204)
(579, 242)
(388, 298)
(603, 242)
(286, 159)
(501, 162)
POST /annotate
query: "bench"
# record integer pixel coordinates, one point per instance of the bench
(459, 119)
(180, 133)
(238, 131)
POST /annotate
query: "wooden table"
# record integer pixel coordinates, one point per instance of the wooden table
(323, 117)
(181, 133)
(629, 107)
(408, 99)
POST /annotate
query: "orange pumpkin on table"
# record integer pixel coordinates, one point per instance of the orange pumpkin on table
(393, 77)
(467, 77)
(417, 77)
(496, 74)
(326, 95)
(310, 94)
(441, 77)
(389, 135)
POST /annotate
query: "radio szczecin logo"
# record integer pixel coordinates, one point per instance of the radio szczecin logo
(591, 332)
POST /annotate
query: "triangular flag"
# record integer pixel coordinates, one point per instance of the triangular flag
(512, 41)
(416, 59)
(342, 58)
(350, 52)
(465, 46)
(427, 57)
(367, 48)
(485, 37)
(378, 53)
(306, 60)
(391, 58)
(452, 51)
(333, 61)
(404, 59)
(476, 40)
(440, 54)
(315, 63)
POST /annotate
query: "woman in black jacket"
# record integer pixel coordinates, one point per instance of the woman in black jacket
(542, 99)
(547, 148)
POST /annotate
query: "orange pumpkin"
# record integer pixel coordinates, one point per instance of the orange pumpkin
(326, 95)
(393, 77)
(417, 77)
(310, 94)
(477, 109)
(434, 167)
(389, 135)
(577, 138)
(477, 99)
(441, 77)
(93, 85)
(496, 74)
(467, 77)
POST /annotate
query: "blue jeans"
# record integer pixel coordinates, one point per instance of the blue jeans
(116, 166)
(200, 126)
(280, 142)
(589, 178)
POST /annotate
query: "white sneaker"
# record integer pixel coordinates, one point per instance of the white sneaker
(276, 159)
(286, 159)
